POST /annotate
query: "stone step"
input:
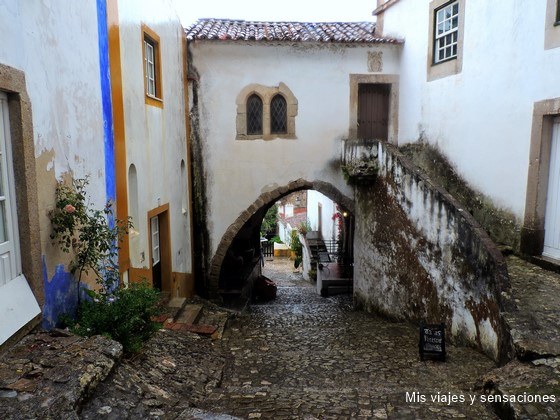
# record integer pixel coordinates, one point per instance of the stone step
(177, 302)
(190, 314)
(535, 322)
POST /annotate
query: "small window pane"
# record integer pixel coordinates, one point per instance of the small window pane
(254, 115)
(3, 236)
(278, 113)
(447, 32)
(150, 68)
(1, 178)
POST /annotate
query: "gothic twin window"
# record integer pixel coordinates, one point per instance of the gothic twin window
(266, 113)
(254, 115)
(278, 115)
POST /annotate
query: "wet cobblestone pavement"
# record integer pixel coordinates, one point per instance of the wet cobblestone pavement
(304, 356)
(300, 356)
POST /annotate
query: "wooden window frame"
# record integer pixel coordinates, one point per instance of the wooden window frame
(149, 37)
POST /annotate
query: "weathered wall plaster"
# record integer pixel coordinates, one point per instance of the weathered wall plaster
(229, 174)
(156, 138)
(481, 117)
(420, 256)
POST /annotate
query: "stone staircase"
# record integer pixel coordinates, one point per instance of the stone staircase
(195, 316)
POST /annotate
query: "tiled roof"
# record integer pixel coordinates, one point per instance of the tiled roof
(241, 30)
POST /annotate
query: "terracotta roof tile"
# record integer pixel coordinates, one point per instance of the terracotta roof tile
(241, 30)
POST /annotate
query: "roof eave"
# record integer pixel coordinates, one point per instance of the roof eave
(385, 41)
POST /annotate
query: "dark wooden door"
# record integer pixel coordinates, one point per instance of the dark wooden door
(373, 111)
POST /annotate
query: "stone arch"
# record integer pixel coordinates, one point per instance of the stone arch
(264, 200)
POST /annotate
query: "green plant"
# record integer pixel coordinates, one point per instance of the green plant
(276, 239)
(304, 227)
(270, 219)
(295, 245)
(90, 234)
(93, 236)
(124, 315)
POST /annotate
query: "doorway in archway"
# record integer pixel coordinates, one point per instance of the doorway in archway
(315, 243)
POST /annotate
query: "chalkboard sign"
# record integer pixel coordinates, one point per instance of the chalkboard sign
(432, 341)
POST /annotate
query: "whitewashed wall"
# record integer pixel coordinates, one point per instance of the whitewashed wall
(241, 170)
(155, 137)
(328, 209)
(481, 117)
(55, 44)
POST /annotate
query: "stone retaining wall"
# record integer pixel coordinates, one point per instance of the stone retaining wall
(419, 255)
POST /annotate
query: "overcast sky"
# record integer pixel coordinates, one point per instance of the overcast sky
(287, 10)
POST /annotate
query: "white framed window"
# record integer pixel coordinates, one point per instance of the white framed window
(154, 221)
(150, 61)
(151, 54)
(446, 32)
(10, 262)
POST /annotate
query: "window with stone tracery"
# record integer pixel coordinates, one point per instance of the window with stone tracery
(266, 113)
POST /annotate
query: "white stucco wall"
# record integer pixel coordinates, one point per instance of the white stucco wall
(155, 137)
(317, 74)
(328, 209)
(57, 48)
(481, 117)
(55, 45)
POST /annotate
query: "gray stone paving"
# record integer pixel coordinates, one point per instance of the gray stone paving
(535, 331)
(304, 356)
(299, 356)
(535, 326)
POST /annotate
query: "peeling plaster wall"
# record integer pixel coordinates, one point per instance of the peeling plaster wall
(156, 139)
(481, 117)
(56, 46)
(237, 172)
(419, 256)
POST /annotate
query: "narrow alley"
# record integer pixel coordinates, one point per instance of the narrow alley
(304, 356)
(298, 356)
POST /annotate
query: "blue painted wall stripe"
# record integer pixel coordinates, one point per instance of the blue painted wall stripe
(105, 76)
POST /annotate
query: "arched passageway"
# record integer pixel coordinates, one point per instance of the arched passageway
(244, 233)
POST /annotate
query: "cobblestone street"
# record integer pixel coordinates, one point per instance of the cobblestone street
(304, 356)
(298, 356)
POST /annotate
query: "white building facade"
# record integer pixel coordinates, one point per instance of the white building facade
(315, 69)
(478, 79)
(74, 104)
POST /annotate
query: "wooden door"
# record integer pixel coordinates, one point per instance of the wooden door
(552, 215)
(373, 111)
